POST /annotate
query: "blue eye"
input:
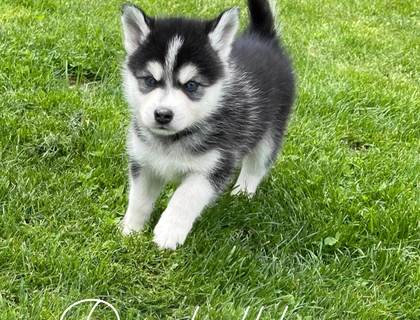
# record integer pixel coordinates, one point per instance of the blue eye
(191, 86)
(150, 81)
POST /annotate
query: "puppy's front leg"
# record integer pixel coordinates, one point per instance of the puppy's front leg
(145, 188)
(191, 197)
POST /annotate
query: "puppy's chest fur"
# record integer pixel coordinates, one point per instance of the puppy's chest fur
(171, 161)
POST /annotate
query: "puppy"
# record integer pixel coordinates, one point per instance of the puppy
(203, 103)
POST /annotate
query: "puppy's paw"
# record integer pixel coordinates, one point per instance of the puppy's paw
(170, 233)
(130, 224)
(238, 189)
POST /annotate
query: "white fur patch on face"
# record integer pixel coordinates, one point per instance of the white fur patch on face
(131, 92)
(187, 73)
(173, 48)
(208, 103)
(155, 69)
(141, 104)
(182, 108)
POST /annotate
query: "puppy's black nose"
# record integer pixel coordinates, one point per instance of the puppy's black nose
(163, 115)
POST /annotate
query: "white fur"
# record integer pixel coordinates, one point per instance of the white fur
(171, 164)
(174, 45)
(254, 167)
(155, 69)
(221, 38)
(187, 72)
(143, 193)
(131, 92)
(135, 28)
(274, 12)
(208, 103)
(191, 197)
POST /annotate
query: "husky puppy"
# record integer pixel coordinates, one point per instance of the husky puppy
(203, 103)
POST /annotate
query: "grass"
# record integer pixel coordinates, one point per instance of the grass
(333, 233)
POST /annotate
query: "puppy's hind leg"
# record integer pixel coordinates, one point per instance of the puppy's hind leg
(255, 165)
(145, 188)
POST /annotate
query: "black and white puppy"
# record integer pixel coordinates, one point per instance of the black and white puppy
(203, 104)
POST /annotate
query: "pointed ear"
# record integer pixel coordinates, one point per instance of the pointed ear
(136, 26)
(223, 33)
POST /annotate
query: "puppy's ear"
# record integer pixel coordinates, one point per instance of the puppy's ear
(223, 31)
(136, 27)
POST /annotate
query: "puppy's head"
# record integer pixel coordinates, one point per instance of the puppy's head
(174, 69)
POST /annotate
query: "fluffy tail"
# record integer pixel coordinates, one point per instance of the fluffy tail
(262, 19)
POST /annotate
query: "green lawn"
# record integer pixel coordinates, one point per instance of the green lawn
(333, 233)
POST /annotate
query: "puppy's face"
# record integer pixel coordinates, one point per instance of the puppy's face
(174, 70)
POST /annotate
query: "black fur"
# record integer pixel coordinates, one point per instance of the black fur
(135, 168)
(262, 20)
(220, 177)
